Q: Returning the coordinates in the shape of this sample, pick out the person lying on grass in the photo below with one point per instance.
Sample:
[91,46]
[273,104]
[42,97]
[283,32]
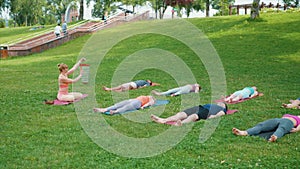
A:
[64,81]
[294,104]
[194,114]
[279,126]
[131,85]
[247,92]
[128,105]
[189,88]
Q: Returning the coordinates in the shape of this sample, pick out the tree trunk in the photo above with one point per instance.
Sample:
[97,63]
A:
[156,10]
[81,10]
[207,8]
[255,9]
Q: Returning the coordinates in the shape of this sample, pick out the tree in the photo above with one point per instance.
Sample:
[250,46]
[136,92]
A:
[255,9]
[102,6]
[160,6]
[3,5]
[134,3]
[26,12]
[222,6]
[207,8]
[81,10]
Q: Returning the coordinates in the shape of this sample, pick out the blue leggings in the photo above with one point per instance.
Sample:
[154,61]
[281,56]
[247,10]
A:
[177,91]
[126,105]
[280,126]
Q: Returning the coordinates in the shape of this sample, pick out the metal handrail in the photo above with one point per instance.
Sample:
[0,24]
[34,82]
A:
[76,27]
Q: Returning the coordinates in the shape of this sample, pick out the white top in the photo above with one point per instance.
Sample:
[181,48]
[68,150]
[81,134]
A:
[57,29]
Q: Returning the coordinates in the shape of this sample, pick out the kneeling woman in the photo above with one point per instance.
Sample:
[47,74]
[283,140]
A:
[64,81]
[279,126]
[193,114]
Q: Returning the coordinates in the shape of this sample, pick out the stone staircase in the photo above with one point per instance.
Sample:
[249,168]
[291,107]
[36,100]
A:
[49,40]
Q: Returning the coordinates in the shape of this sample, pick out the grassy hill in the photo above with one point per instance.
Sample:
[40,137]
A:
[264,53]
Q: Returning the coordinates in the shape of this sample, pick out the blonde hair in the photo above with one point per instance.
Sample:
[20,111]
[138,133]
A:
[62,66]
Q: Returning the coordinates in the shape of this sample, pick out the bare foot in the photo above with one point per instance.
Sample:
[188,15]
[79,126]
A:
[105,88]
[223,98]
[155,92]
[99,110]
[49,102]
[157,119]
[287,106]
[273,138]
[239,132]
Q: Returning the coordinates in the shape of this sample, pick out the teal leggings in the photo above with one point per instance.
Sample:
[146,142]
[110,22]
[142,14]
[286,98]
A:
[280,126]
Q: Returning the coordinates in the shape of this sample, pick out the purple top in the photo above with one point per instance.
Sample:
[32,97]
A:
[294,117]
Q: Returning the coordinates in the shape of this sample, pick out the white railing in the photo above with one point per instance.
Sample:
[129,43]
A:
[37,34]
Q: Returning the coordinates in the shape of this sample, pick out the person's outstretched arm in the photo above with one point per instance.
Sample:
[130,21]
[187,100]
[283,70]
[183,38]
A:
[68,80]
[76,66]
[146,105]
[220,113]
[295,129]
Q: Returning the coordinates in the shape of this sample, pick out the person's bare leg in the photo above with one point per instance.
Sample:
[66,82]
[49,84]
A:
[176,117]
[291,101]
[294,104]
[113,112]
[101,110]
[178,123]
[155,92]
[189,119]
[158,119]
[106,88]
[236,98]
[239,132]
[117,89]
[273,138]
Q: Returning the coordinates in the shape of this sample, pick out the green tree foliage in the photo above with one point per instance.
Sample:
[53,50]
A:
[160,6]
[291,2]
[32,12]
[222,6]
[2,5]
[134,3]
[102,6]
[26,12]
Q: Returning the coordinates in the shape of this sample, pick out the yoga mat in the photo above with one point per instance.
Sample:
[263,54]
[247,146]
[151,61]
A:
[157,103]
[239,101]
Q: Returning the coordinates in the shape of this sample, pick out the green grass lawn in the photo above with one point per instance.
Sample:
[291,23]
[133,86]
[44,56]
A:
[264,53]
[10,35]
[14,34]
